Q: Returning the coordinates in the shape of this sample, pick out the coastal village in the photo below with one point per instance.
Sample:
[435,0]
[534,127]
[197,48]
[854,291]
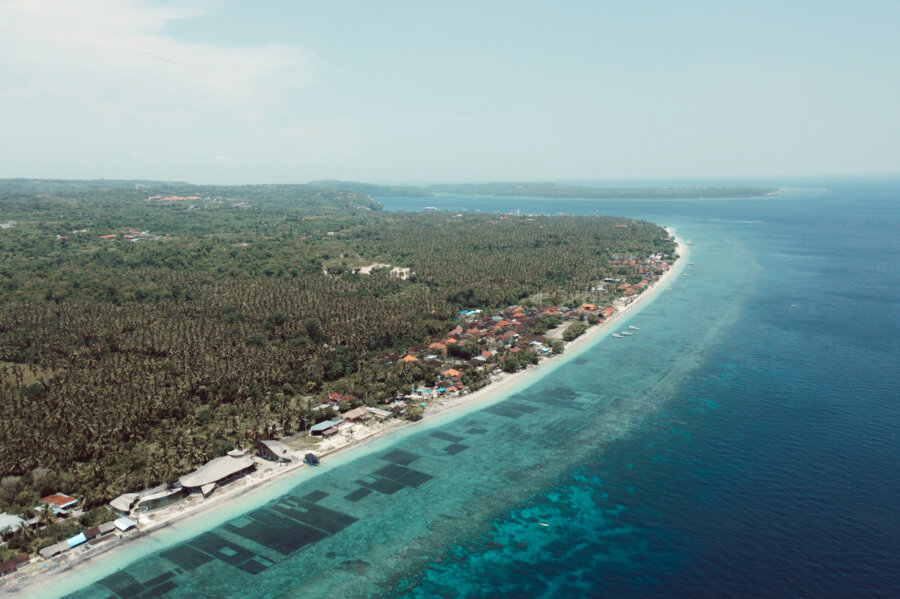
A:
[482,348]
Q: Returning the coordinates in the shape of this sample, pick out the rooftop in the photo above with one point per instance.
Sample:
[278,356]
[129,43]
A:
[324,426]
[217,469]
[278,448]
[11,522]
[60,500]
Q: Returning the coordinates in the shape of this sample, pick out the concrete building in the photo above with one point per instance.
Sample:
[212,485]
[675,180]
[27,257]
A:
[217,472]
[275,451]
[326,428]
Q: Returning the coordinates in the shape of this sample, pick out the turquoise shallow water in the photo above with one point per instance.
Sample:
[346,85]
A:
[714,453]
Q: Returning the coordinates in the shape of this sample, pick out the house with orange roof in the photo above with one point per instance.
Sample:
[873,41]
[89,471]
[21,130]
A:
[452,372]
[409,358]
[110,236]
[60,502]
[587,307]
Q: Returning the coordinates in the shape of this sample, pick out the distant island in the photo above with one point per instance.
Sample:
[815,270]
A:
[552,190]
[277,197]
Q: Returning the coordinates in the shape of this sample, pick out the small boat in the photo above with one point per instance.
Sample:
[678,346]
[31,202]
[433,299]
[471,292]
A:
[617,336]
[793,305]
[689,242]
[543,524]
[626,333]
[690,263]
[634,328]
[311,459]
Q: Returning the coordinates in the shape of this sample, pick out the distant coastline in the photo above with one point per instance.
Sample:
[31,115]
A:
[553,190]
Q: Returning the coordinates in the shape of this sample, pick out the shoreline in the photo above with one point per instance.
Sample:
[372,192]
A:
[36,578]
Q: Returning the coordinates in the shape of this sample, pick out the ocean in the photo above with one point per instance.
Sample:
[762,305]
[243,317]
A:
[742,443]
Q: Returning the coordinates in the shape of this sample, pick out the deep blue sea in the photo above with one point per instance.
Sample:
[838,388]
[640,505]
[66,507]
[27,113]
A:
[745,442]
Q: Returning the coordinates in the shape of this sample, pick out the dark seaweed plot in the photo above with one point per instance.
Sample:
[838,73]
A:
[398,456]
[455,448]
[126,586]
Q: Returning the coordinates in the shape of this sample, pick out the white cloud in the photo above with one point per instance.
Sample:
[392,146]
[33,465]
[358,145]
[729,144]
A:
[93,80]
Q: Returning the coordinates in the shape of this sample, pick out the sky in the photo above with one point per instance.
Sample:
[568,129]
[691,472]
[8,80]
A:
[290,91]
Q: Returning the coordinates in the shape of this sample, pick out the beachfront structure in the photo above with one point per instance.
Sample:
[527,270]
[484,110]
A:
[124,524]
[274,450]
[217,472]
[379,414]
[355,414]
[55,549]
[124,503]
[11,565]
[326,428]
[148,500]
[96,532]
[90,535]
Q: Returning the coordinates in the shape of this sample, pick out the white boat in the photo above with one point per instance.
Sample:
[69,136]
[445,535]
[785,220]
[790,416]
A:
[690,263]
[626,333]
[617,336]
[634,328]
[689,242]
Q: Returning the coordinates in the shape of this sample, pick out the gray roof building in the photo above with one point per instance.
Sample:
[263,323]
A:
[326,427]
[48,552]
[217,471]
[10,523]
[275,450]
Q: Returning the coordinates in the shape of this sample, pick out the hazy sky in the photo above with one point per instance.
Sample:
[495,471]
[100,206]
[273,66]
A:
[386,91]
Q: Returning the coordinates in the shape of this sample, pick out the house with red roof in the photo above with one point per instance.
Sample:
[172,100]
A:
[60,502]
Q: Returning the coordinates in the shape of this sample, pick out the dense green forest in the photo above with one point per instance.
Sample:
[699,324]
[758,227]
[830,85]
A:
[120,195]
[552,190]
[141,337]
